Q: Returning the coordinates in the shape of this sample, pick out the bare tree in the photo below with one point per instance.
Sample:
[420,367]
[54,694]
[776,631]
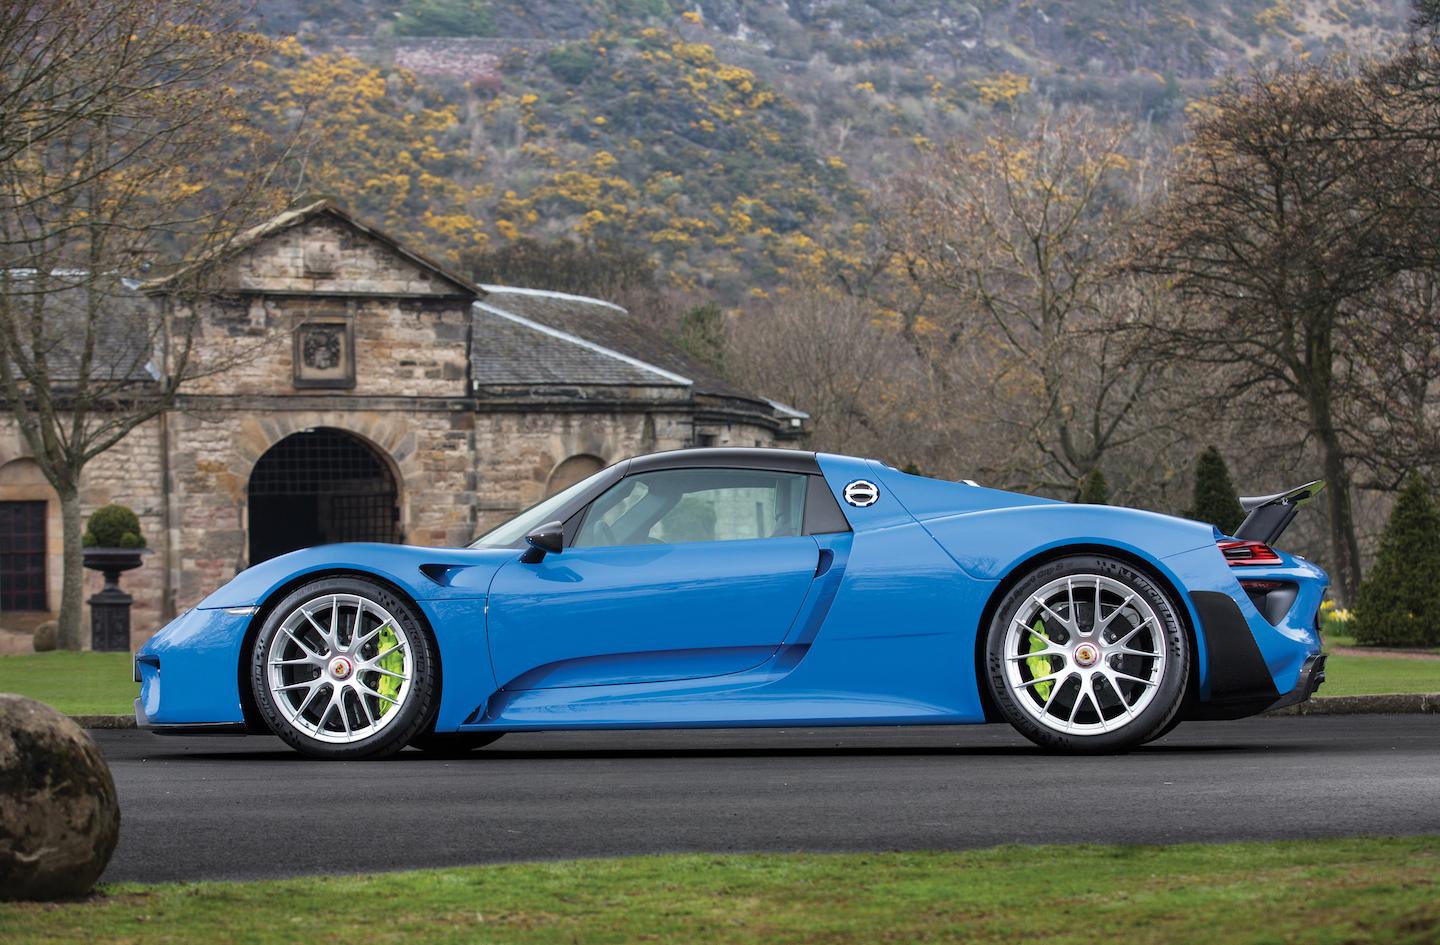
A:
[840,359]
[1391,418]
[1286,218]
[112,117]
[1013,246]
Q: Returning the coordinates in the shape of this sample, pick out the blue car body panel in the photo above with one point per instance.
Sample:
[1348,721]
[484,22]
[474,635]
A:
[877,625]
[646,613]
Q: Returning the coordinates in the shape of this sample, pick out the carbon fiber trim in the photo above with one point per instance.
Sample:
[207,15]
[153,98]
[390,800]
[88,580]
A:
[1240,683]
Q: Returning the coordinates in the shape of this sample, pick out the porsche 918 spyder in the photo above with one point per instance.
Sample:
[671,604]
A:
[751,587]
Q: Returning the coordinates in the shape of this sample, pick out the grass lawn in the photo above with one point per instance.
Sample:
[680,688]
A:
[74,683]
[1333,640]
[1352,891]
[1347,675]
[99,683]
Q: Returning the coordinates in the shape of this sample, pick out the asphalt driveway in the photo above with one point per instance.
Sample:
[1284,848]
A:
[240,808]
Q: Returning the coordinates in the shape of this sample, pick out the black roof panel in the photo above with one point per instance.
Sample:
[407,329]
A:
[776,460]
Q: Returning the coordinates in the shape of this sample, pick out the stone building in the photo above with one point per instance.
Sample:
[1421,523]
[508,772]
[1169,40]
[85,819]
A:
[361,392]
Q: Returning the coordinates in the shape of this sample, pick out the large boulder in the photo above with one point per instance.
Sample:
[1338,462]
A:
[59,817]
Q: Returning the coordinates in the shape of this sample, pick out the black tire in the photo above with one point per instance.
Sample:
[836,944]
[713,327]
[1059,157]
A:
[452,744]
[417,708]
[1159,712]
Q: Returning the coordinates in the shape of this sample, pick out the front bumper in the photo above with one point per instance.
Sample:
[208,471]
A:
[188,672]
[143,721]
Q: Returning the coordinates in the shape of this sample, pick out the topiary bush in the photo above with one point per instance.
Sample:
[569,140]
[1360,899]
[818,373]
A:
[1215,499]
[1399,601]
[113,526]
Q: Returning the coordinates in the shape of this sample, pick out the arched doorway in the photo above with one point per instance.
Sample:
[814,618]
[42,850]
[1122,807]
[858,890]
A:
[318,487]
[572,470]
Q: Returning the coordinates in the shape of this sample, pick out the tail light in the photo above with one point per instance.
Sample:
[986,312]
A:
[1239,552]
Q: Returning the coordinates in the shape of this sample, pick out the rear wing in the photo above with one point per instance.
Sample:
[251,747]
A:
[1267,516]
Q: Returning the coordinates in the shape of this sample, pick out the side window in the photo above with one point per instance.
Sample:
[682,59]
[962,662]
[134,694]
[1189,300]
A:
[684,505]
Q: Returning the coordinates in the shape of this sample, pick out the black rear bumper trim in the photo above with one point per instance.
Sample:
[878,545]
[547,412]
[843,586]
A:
[1240,682]
[1312,675]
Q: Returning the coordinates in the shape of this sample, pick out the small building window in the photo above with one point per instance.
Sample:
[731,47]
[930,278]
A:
[22,556]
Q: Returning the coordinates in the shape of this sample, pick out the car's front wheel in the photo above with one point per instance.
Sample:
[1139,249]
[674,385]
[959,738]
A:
[343,668]
[1087,654]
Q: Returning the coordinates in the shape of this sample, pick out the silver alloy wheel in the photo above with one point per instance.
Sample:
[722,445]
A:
[1085,654]
[339,668]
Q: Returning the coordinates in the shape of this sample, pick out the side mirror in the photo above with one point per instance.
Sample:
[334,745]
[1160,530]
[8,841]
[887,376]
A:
[545,539]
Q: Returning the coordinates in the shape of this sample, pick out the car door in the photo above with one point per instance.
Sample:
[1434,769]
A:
[672,574]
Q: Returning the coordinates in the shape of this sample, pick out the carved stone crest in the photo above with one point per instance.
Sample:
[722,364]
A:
[322,346]
[324,354]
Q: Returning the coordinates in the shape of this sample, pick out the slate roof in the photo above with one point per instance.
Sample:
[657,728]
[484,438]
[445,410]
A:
[530,336]
[124,324]
[511,346]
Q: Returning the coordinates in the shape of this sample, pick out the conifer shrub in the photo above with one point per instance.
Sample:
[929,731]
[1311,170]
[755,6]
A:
[1215,500]
[1399,601]
[1094,490]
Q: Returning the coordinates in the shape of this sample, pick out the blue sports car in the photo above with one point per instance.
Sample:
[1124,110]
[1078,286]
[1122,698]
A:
[749,587]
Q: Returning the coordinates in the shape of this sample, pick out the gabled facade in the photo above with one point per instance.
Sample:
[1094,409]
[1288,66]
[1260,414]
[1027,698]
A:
[355,390]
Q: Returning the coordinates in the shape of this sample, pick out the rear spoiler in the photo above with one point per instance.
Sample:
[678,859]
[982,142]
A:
[1269,515]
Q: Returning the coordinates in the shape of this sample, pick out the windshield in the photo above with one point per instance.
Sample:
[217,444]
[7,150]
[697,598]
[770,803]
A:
[521,525]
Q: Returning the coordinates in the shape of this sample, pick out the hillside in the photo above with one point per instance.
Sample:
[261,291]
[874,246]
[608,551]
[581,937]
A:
[729,139]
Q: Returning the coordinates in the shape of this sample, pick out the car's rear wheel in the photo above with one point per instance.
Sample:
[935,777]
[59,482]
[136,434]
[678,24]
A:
[343,668]
[1087,654]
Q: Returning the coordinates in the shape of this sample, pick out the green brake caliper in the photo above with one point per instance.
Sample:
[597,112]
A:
[394,662]
[1039,665]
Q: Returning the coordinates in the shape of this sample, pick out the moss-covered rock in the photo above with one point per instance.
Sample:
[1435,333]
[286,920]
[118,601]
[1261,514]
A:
[59,816]
[44,638]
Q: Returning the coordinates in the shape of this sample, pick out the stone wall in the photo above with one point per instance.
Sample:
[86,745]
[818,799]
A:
[129,474]
[410,333]
[429,452]
[326,255]
[402,347]
[516,452]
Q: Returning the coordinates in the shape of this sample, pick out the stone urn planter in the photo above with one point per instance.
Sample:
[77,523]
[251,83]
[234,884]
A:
[113,544]
[110,606]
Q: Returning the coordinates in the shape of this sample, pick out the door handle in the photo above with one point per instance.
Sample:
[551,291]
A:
[827,557]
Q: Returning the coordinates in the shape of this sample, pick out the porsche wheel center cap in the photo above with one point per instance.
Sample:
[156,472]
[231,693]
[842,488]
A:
[340,667]
[1087,654]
